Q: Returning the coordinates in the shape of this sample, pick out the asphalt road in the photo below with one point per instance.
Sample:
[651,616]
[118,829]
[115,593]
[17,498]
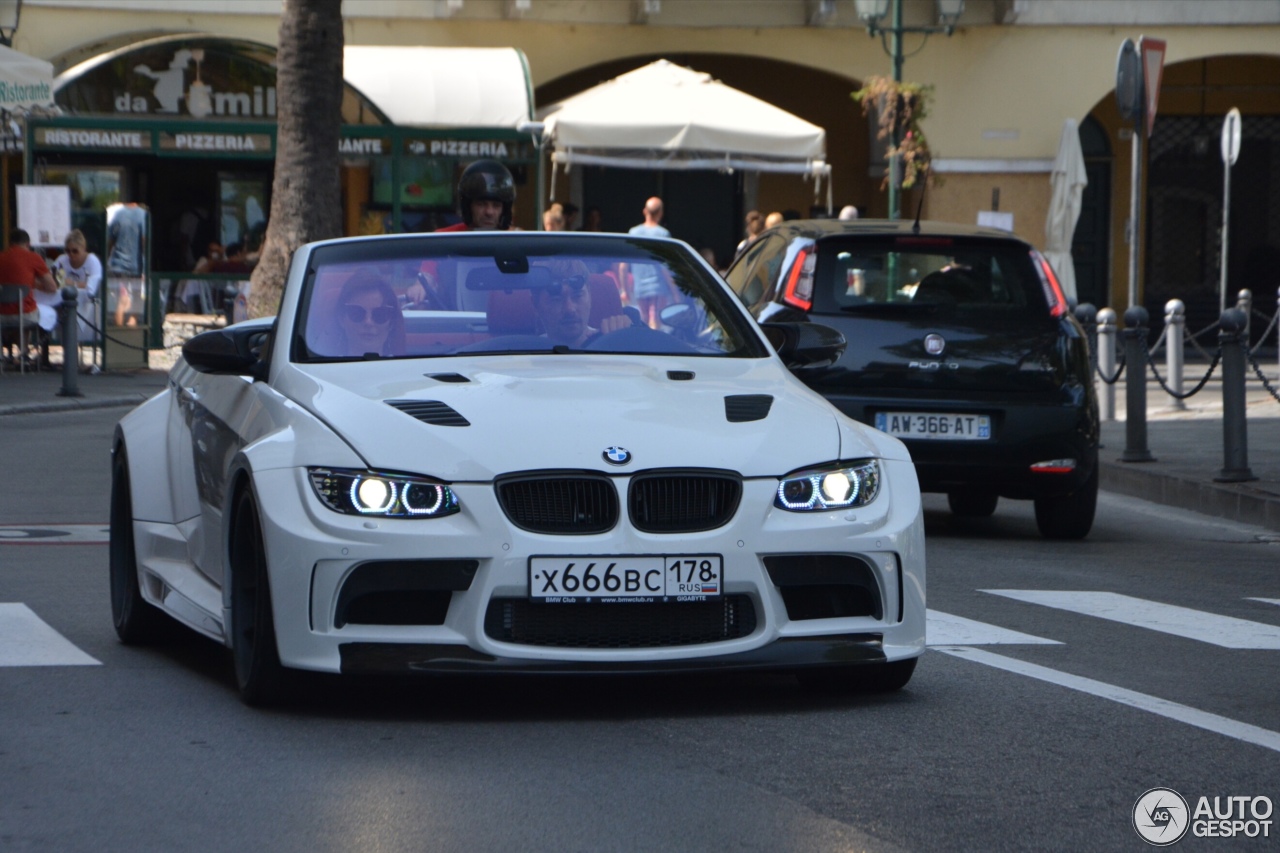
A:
[993,746]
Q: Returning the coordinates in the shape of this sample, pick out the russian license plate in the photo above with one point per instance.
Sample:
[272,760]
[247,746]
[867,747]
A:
[569,580]
[934,425]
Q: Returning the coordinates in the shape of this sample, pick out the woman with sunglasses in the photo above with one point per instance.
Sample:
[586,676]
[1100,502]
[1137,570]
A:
[369,318]
[80,268]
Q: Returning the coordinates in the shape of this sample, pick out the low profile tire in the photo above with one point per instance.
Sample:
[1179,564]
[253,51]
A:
[259,675]
[1069,516]
[867,678]
[972,504]
[137,622]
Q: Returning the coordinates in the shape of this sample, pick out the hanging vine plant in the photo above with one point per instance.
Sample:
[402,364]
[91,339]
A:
[900,107]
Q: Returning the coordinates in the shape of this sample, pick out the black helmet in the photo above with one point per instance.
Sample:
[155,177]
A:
[487,180]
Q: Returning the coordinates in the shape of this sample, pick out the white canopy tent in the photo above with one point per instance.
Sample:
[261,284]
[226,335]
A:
[1068,182]
[465,87]
[25,82]
[666,116]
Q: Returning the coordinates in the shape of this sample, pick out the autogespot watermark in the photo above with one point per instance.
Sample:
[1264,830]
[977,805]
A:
[1162,816]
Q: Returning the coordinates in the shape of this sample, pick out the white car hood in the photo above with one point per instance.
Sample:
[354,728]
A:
[562,412]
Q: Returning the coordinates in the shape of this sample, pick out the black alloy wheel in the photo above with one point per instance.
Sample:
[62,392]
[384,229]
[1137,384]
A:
[260,677]
[1069,516]
[137,622]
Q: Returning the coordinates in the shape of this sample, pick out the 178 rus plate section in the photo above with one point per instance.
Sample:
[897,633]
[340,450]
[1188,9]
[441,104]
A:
[567,580]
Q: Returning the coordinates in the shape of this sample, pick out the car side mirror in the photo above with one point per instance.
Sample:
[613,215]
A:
[805,346]
[233,351]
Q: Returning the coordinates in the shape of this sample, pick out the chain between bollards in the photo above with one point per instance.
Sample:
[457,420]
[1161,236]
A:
[1135,387]
[1235,437]
[70,321]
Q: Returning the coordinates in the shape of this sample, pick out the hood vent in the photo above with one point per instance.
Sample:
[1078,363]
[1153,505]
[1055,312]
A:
[430,412]
[747,407]
[447,377]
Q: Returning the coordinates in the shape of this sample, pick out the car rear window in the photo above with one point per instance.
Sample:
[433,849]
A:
[943,273]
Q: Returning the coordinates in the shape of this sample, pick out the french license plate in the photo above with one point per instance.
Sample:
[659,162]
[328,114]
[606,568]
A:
[569,580]
[935,425]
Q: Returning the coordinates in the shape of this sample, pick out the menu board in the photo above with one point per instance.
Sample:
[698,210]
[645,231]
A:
[45,213]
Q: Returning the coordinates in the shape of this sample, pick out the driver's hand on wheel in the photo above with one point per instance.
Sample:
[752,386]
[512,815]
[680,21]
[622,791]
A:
[615,323]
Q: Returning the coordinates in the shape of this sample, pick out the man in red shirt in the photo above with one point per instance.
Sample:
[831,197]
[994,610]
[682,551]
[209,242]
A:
[20,265]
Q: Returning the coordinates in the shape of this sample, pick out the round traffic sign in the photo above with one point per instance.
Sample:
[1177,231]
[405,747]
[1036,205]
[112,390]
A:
[1129,89]
[1231,137]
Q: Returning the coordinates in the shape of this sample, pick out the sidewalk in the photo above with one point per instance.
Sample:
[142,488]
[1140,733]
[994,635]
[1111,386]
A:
[1187,445]
[1188,450]
[31,393]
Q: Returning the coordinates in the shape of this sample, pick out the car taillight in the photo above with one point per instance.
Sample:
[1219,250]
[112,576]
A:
[799,289]
[1052,289]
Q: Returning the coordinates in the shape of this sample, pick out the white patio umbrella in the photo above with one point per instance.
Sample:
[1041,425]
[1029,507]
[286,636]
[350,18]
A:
[1068,182]
[25,81]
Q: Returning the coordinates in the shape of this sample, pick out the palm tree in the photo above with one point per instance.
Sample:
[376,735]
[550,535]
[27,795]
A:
[305,194]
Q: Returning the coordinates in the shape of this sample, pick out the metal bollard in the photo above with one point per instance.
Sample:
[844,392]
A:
[1106,336]
[232,290]
[1087,315]
[1244,301]
[1175,321]
[1135,386]
[70,343]
[1235,434]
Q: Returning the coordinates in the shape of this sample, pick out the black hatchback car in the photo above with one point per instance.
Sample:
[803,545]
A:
[960,343]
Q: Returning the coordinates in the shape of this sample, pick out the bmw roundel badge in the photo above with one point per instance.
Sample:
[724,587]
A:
[617,455]
[934,344]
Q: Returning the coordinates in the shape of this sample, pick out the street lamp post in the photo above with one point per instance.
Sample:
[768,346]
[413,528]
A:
[872,12]
[10,12]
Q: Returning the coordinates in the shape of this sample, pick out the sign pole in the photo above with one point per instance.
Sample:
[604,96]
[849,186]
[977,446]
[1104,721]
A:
[1230,151]
[1135,179]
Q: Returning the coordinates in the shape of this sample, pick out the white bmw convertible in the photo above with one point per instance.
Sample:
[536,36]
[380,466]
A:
[515,452]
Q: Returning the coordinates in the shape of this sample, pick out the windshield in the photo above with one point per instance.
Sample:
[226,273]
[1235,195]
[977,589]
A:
[444,296]
[926,274]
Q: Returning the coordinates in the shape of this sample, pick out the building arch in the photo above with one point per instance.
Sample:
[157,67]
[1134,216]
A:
[1183,176]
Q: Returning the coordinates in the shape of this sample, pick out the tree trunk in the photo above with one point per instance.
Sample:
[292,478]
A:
[306,202]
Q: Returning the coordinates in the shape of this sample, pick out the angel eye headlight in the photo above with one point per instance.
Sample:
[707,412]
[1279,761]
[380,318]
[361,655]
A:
[852,485]
[383,495]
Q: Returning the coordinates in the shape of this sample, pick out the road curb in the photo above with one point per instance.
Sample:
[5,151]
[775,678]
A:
[1233,501]
[71,404]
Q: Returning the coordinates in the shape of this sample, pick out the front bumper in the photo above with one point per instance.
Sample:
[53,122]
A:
[312,552]
[785,653]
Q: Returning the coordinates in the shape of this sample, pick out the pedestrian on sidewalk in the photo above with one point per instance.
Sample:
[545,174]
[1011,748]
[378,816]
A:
[649,288]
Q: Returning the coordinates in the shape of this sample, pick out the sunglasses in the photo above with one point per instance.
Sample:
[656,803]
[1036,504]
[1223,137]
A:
[382,315]
[575,284]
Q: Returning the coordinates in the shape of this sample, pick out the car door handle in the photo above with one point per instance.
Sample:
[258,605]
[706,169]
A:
[188,395]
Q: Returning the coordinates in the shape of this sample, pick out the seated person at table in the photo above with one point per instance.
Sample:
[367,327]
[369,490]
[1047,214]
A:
[564,308]
[369,318]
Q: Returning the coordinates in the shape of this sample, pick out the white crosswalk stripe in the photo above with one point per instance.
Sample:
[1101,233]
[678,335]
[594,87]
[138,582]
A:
[944,629]
[27,640]
[1142,701]
[54,534]
[1227,632]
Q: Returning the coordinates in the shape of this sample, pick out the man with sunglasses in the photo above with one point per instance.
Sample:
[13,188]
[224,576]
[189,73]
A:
[564,309]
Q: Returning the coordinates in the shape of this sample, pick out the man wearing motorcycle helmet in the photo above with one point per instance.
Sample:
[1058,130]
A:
[486,194]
